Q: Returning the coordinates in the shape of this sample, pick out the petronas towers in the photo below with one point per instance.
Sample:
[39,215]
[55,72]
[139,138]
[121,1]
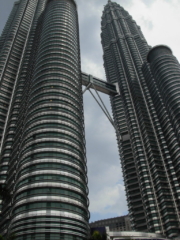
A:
[146,113]
[43,162]
[43,173]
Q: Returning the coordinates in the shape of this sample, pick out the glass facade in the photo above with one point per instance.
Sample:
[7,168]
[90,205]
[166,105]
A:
[43,157]
[147,122]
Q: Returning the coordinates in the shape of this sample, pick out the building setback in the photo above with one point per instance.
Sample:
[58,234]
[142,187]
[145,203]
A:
[43,159]
[146,114]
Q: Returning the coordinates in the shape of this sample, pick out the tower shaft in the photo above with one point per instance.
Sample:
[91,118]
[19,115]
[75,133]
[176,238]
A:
[43,146]
[149,182]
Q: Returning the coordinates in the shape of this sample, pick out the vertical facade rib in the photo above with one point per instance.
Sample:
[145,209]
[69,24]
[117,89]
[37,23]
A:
[166,73]
[43,141]
[151,185]
[12,45]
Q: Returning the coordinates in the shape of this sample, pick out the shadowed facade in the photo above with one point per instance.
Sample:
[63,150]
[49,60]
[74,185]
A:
[43,158]
[149,161]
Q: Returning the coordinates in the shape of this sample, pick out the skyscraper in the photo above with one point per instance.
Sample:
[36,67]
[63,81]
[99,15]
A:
[43,159]
[146,113]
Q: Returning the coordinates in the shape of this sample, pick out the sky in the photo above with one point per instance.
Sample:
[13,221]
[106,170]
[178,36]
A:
[159,21]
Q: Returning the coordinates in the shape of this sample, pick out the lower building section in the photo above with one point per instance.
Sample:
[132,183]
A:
[115,224]
[113,235]
[54,225]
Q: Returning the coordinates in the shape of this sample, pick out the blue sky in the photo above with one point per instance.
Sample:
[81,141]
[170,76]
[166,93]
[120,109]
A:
[159,21]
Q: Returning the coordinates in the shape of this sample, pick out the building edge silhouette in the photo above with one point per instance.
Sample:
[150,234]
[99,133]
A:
[146,119]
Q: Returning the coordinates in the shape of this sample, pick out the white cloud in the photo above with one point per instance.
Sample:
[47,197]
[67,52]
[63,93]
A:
[159,22]
[109,200]
[108,193]
[92,68]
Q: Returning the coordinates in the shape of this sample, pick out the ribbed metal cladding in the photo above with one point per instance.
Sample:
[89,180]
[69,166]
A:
[12,44]
[162,73]
[166,71]
[16,111]
[8,27]
[47,173]
[151,184]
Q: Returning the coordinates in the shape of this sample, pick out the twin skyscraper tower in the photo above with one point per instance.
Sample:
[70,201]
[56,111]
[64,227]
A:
[43,173]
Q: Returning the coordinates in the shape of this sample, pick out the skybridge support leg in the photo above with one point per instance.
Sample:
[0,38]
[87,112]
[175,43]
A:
[105,111]
[99,85]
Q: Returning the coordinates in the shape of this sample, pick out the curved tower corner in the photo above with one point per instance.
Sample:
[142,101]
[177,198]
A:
[47,174]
